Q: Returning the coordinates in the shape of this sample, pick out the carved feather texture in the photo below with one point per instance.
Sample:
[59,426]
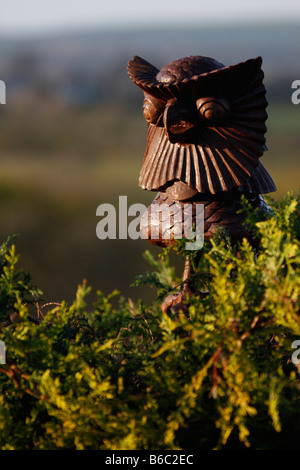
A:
[219,162]
[162,227]
[260,182]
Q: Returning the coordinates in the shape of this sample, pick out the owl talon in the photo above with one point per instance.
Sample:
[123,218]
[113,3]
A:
[175,302]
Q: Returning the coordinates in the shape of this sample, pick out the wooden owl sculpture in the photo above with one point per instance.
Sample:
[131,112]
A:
[206,134]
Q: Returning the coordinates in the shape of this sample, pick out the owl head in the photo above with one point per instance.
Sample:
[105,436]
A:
[206,122]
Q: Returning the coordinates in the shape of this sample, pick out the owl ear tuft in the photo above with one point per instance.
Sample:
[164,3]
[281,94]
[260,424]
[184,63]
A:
[141,72]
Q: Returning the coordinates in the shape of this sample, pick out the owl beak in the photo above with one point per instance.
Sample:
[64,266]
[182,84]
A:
[178,123]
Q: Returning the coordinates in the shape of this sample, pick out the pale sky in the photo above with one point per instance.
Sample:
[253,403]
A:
[35,16]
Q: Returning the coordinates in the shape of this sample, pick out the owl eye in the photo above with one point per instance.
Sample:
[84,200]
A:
[152,110]
[212,110]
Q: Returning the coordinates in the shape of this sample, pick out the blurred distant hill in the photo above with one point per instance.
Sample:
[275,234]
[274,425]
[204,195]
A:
[90,66]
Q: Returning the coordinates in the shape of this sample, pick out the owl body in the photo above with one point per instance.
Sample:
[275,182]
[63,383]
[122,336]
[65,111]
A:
[206,127]
[161,226]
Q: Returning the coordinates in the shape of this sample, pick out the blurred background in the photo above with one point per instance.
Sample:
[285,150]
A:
[72,134]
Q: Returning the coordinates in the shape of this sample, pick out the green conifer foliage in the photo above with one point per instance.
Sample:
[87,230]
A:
[119,375]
